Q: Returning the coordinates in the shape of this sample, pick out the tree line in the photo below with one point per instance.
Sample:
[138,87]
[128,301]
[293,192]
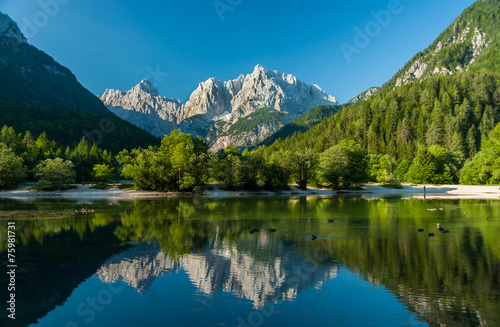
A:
[183,163]
[26,158]
[440,130]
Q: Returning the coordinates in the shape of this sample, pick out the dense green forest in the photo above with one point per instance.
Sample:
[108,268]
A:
[183,163]
[311,118]
[24,157]
[67,127]
[455,112]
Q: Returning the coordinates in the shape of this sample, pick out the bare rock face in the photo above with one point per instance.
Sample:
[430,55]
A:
[9,29]
[211,99]
[145,108]
[283,92]
[364,95]
[424,67]
[215,106]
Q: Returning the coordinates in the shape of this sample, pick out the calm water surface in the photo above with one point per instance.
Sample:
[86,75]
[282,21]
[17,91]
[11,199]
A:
[194,262]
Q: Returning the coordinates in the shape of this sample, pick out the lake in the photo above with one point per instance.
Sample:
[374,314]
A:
[195,262]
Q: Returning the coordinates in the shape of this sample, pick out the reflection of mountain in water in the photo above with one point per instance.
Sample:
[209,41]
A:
[253,273]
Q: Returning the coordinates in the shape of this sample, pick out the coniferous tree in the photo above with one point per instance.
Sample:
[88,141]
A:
[423,168]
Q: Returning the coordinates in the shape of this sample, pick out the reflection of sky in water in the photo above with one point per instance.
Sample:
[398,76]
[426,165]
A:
[143,287]
[377,270]
[173,300]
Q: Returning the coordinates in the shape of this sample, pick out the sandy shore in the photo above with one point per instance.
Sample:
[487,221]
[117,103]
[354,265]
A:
[86,193]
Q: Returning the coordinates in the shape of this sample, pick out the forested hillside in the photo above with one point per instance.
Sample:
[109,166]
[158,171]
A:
[303,123]
[455,112]
[67,126]
[470,43]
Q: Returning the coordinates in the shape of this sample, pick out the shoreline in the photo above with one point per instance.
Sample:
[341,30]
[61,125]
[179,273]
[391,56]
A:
[370,191]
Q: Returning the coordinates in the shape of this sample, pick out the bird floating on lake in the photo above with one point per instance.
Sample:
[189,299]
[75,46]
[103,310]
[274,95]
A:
[488,219]
[272,230]
[331,220]
[254,230]
[431,234]
[314,237]
[420,230]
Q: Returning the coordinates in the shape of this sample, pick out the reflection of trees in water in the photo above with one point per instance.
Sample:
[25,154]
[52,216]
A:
[40,220]
[450,279]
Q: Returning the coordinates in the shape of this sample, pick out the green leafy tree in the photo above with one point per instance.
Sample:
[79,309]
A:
[227,169]
[103,172]
[484,167]
[448,165]
[43,148]
[180,164]
[144,167]
[95,155]
[382,170]
[303,164]
[12,170]
[55,172]
[250,169]
[275,172]
[344,164]
[402,170]
[8,136]
[275,177]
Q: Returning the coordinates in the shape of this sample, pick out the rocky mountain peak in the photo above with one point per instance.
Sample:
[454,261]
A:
[146,86]
[9,29]
[215,106]
[145,108]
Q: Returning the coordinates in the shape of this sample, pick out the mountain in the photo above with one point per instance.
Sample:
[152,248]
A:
[471,42]
[30,76]
[39,95]
[243,111]
[220,267]
[364,95]
[145,108]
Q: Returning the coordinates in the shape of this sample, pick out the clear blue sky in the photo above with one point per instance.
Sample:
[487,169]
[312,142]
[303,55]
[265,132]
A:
[115,44]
